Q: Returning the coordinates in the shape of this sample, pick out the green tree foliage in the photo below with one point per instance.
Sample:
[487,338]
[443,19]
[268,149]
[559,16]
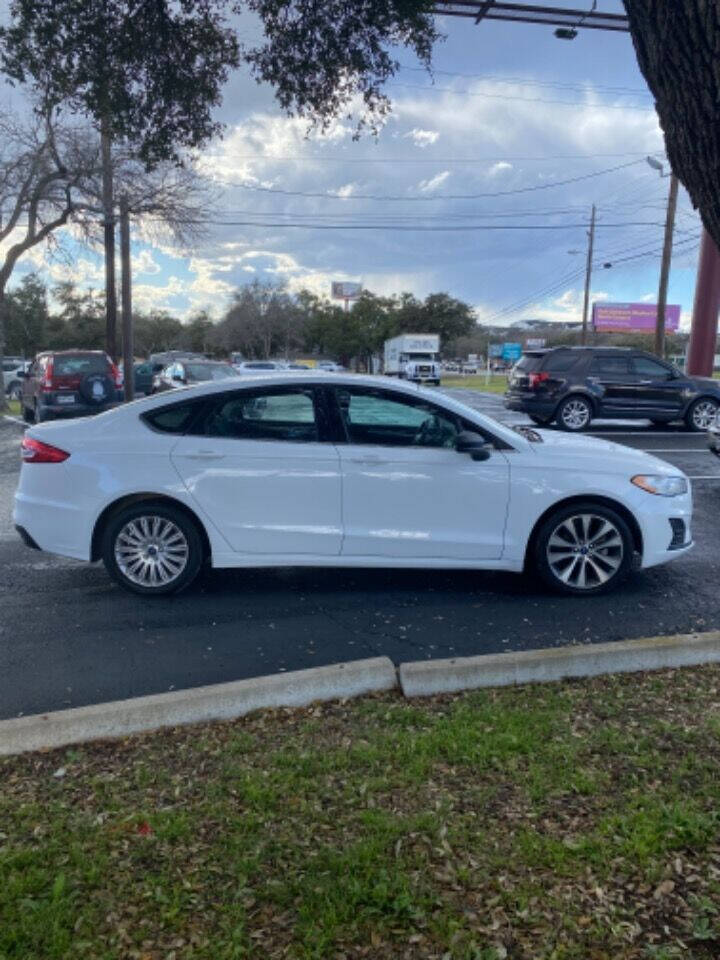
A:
[27,317]
[153,69]
[321,54]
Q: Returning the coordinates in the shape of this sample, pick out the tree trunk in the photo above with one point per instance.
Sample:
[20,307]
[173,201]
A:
[3,327]
[109,235]
[678,48]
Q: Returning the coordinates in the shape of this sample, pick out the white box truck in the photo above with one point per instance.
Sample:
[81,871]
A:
[413,356]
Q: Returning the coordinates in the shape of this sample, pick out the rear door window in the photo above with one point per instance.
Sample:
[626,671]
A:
[175,418]
[560,362]
[615,368]
[287,414]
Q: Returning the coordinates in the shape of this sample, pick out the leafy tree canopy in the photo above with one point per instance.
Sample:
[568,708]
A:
[152,69]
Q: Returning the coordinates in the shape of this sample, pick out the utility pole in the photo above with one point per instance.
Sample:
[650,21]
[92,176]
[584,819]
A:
[665,267]
[126,282]
[588,275]
[703,332]
[109,238]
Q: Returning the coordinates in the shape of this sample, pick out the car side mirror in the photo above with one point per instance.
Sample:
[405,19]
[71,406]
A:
[470,442]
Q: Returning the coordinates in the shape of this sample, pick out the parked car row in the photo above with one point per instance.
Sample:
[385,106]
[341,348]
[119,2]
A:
[72,383]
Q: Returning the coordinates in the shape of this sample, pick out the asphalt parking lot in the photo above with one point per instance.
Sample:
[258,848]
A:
[69,636]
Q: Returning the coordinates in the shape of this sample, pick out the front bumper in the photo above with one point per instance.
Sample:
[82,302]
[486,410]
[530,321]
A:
[666,527]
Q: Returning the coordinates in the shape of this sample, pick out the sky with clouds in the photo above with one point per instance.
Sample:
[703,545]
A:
[480,184]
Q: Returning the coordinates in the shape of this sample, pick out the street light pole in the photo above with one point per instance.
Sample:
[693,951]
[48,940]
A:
[588,275]
[665,267]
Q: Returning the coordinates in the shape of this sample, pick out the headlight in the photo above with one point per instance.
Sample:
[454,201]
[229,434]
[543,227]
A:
[661,486]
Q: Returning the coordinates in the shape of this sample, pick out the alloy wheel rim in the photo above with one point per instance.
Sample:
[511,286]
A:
[151,551]
[575,414]
[704,414]
[585,551]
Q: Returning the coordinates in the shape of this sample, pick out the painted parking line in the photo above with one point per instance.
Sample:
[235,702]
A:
[709,476]
[14,420]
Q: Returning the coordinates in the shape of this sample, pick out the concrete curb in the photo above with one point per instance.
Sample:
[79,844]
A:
[222,701]
[427,677]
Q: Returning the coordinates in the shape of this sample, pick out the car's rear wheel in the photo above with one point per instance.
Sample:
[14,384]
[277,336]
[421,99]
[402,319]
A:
[574,414]
[152,549]
[701,415]
[584,549]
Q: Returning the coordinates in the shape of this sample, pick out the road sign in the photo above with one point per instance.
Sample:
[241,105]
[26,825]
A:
[345,290]
[495,350]
[511,352]
[535,343]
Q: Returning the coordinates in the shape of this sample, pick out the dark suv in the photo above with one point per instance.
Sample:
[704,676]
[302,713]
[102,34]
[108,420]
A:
[70,383]
[572,385]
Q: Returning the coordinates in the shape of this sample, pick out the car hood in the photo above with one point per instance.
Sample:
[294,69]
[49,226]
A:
[572,451]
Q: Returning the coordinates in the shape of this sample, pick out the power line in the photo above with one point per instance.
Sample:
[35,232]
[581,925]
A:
[447,196]
[490,78]
[416,228]
[269,159]
[503,96]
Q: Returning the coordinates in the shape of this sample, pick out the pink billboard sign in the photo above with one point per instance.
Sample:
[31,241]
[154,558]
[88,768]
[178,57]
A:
[633,317]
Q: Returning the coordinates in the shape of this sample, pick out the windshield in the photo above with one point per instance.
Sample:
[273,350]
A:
[209,371]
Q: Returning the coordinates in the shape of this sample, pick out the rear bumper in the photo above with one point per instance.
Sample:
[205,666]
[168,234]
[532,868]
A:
[76,409]
[528,402]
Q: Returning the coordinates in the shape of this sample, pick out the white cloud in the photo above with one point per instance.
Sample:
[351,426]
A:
[346,190]
[427,186]
[422,138]
[144,263]
[501,167]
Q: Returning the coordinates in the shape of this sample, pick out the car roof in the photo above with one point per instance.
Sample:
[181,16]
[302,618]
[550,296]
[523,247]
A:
[80,350]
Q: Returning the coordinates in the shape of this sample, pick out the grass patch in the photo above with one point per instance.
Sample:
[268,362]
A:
[493,384]
[13,408]
[551,822]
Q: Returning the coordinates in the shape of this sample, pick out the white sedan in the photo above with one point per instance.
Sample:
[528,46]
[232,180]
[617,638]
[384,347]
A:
[347,472]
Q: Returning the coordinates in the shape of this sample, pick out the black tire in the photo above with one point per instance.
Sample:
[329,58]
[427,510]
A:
[179,521]
[540,421]
[573,404]
[28,415]
[41,416]
[614,562]
[701,414]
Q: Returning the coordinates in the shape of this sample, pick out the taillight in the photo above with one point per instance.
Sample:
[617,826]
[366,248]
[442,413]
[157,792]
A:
[535,379]
[116,375]
[34,451]
[47,383]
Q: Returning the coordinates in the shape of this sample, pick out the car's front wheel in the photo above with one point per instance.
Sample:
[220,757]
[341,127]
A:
[152,548]
[701,415]
[584,549]
[574,414]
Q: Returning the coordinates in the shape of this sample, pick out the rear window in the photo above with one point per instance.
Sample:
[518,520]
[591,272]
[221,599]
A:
[172,419]
[529,362]
[70,364]
[208,371]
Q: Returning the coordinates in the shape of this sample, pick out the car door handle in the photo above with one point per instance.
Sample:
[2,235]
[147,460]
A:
[205,455]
